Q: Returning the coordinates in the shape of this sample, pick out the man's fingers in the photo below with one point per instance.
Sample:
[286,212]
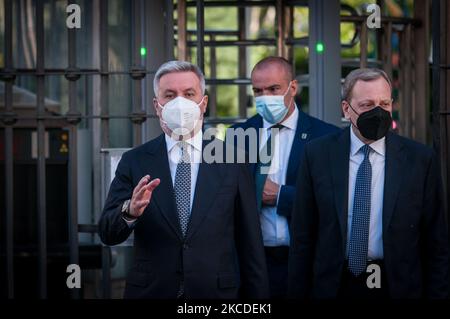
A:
[146,192]
[144,180]
[141,197]
[139,207]
[142,203]
[147,188]
[153,184]
[140,192]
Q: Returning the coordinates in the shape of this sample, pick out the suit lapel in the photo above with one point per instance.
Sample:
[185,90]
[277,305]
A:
[157,166]
[301,137]
[339,158]
[393,176]
[208,183]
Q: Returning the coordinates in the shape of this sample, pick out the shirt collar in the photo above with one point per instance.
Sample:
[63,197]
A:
[195,141]
[378,146]
[290,122]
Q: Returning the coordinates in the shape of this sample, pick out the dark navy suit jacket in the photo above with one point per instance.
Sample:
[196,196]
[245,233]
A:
[222,253]
[415,241]
[308,128]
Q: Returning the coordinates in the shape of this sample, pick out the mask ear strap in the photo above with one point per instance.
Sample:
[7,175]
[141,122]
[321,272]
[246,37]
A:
[289,86]
[353,124]
[352,107]
[287,93]
[201,101]
[350,119]
[159,104]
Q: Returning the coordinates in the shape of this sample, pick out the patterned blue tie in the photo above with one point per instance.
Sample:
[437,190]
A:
[359,236]
[182,187]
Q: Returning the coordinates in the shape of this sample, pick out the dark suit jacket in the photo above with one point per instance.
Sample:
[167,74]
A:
[415,241]
[222,249]
[308,128]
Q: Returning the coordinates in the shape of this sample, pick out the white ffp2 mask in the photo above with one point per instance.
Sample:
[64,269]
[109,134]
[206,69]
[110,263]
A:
[181,115]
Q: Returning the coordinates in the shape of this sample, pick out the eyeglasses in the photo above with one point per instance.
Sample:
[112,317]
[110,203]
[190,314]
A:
[371,104]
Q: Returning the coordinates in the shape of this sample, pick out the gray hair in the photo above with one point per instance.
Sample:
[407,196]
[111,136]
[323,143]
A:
[365,75]
[177,66]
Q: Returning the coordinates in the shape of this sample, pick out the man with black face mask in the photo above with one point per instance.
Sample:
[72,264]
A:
[368,221]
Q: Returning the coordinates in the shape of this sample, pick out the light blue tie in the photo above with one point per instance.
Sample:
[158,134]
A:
[359,236]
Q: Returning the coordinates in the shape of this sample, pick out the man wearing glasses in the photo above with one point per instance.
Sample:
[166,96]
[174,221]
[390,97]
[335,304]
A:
[368,221]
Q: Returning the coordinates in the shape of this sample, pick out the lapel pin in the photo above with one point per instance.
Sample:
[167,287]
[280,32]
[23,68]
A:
[304,136]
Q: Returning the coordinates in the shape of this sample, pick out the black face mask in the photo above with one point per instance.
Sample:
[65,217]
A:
[373,124]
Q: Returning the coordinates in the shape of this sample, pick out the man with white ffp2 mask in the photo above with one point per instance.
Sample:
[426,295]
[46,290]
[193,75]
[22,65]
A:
[196,225]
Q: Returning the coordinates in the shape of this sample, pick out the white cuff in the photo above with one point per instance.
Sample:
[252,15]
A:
[130,223]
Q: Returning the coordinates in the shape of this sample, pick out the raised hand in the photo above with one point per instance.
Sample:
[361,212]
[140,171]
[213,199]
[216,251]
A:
[142,194]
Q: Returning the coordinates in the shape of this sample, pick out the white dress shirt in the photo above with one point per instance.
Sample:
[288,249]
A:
[174,156]
[377,159]
[275,228]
